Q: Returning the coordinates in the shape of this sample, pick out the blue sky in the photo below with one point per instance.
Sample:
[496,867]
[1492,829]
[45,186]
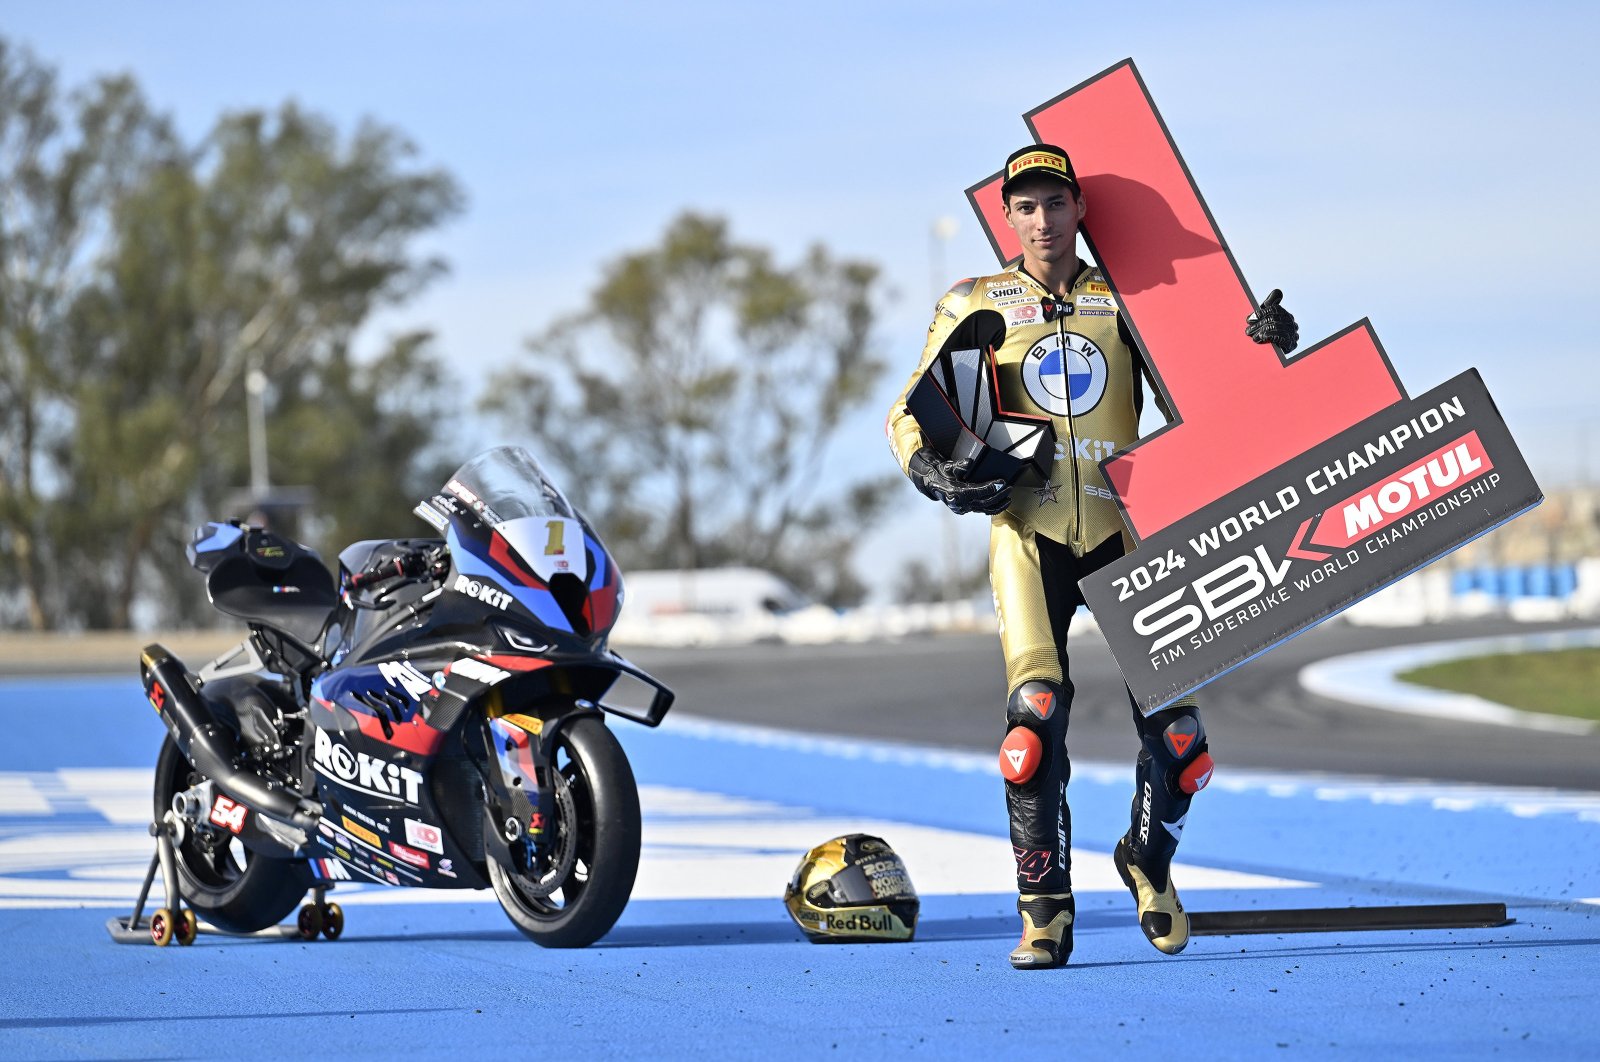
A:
[1427,166]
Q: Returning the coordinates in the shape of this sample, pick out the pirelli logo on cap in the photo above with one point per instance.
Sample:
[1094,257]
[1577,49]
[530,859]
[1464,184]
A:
[1037,160]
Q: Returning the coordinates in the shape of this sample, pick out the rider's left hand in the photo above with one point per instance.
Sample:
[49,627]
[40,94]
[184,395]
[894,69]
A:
[1271,323]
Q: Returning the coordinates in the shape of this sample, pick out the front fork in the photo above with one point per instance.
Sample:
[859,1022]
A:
[520,806]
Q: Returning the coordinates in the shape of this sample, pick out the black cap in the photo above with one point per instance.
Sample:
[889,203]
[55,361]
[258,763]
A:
[1036,160]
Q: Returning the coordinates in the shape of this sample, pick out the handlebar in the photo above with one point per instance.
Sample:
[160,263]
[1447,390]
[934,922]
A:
[413,565]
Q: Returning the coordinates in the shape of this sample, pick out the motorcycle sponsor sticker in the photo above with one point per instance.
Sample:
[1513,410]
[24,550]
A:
[389,874]
[432,516]
[486,592]
[1065,375]
[358,830]
[405,675]
[478,671]
[425,836]
[359,816]
[447,867]
[228,814]
[366,773]
[410,855]
[329,870]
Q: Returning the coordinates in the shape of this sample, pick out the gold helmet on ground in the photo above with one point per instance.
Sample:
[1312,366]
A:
[852,889]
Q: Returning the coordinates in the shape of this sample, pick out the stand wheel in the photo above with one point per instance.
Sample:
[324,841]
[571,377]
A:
[186,928]
[310,921]
[161,927]
[332,921]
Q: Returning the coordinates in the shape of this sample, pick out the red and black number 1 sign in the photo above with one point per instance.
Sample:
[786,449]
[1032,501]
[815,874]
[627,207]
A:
[1284,489]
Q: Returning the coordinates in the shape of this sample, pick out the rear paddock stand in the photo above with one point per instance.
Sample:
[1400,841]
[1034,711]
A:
[174,922]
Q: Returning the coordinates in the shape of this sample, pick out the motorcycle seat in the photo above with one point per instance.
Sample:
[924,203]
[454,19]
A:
[275,581]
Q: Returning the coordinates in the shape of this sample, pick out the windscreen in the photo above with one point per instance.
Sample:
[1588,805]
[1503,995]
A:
[505,484]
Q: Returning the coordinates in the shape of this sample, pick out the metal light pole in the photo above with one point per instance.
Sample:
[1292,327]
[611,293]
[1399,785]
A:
[255,386]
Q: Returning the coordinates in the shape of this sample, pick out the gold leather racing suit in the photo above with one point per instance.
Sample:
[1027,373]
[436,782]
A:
[1083,370]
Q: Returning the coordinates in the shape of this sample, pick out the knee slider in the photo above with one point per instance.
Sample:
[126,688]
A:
[1037,712]
[1194,777]
[1020,755]
[1180,749]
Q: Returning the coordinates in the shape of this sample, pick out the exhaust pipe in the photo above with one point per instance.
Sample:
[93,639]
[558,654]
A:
[210,746]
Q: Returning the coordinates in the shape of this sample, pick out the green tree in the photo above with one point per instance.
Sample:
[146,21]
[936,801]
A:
[266,252]
[63,162]
[159,284]
[691,401]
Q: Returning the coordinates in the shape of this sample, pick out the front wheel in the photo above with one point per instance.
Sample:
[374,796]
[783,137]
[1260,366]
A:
[573,897]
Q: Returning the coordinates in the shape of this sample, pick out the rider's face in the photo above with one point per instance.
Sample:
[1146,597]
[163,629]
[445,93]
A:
[1045,215]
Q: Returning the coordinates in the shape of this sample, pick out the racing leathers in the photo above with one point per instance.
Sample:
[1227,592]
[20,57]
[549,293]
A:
[1070,358]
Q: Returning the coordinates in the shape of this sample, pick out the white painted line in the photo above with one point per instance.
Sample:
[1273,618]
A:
[1524,801]
[697,845]
[1368,679]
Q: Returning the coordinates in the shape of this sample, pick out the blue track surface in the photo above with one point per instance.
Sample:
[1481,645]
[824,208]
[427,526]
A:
[730,977]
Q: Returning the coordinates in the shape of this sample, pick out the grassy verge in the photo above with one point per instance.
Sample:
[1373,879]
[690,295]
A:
[1564,682]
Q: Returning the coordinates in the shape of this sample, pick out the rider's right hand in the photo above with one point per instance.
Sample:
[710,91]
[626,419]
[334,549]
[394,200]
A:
[944,480]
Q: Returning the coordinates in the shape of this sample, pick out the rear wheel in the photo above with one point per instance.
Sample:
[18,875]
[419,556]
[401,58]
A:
[228,885]
[575,894]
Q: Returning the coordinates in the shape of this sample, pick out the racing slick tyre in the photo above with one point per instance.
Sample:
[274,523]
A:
[229,886]
[576,892]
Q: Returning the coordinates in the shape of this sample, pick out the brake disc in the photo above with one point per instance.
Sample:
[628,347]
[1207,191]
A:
[553,870]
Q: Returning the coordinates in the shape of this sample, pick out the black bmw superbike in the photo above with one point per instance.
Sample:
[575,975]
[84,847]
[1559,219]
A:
[435,717]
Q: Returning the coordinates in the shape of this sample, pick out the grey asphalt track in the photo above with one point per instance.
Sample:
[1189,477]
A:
[947,691]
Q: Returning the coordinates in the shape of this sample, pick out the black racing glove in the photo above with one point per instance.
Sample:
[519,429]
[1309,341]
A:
[946,481]
[1271,323]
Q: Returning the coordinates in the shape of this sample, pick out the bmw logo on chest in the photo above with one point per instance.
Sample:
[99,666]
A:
[1065,375]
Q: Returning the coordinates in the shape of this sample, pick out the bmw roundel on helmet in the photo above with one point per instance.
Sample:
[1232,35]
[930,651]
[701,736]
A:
[852,889]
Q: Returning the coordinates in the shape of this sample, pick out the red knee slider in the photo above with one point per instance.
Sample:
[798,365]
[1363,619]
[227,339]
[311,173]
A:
[1020,753]
[1197,774]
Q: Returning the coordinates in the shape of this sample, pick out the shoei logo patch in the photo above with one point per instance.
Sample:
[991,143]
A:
[1065,380]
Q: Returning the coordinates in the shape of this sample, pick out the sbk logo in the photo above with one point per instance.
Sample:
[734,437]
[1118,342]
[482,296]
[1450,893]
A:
[228,814]
[1219,592]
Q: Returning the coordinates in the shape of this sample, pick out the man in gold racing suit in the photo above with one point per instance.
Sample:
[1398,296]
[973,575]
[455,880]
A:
[1061,349]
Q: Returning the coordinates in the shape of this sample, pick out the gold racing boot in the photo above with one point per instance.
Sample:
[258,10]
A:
[1046,930]
[1161,913]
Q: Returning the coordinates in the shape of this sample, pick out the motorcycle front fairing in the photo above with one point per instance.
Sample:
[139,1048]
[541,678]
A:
[517,631]
[518,547]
